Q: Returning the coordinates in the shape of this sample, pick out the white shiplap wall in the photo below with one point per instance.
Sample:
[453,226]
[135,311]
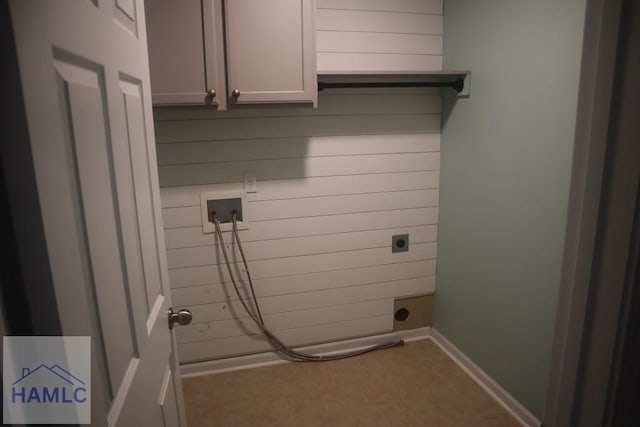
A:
[334,184]
[379,35]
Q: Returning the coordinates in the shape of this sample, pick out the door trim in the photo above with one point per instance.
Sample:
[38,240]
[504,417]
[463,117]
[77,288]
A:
[582,303]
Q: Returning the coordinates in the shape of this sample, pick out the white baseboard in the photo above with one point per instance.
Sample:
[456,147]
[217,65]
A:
[271,358]
[506,400]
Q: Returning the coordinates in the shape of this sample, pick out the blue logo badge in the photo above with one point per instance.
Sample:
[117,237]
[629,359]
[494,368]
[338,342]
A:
[64,387]
[47,380]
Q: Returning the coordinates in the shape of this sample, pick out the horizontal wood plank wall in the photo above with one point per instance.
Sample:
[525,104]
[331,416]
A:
[334,184]
[379,35]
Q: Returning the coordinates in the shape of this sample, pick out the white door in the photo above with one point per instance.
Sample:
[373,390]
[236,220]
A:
[85,80]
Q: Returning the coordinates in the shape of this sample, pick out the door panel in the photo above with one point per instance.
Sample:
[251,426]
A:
[85,80]
[140,168]
[125,14]
[129,221]
[82,91]
[167,399]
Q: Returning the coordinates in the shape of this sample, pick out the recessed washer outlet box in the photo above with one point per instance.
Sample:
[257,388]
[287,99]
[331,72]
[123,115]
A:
[224,205]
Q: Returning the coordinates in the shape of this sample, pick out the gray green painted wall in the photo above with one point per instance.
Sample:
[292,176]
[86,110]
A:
[506,160]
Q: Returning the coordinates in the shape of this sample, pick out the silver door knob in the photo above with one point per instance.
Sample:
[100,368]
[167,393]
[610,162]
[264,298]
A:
[182,317]
[235,93]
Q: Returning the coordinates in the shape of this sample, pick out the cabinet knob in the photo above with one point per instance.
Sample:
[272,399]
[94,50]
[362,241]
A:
[235,93]
[208,99]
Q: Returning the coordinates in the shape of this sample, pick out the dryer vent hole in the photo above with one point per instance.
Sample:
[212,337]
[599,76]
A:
[401,315]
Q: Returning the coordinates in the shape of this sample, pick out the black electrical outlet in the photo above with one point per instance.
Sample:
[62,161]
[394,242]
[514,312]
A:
[400,243]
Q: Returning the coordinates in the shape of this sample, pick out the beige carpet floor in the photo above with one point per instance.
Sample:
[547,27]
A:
[414,385]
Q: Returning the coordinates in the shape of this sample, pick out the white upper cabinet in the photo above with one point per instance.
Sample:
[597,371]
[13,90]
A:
[270,51]
[186,52]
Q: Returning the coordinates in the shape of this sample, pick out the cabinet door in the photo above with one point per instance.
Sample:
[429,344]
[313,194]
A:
[214,52]
[183,62]
[270,51]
